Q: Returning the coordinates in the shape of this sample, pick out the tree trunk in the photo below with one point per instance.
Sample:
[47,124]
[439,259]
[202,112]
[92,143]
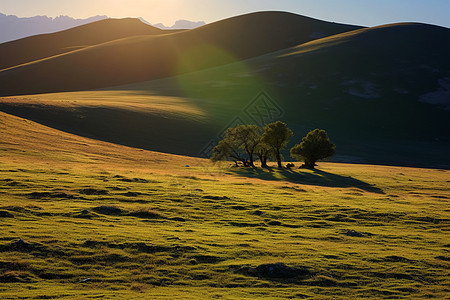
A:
[251,160]
[262,159]
[278,157]
[264,162]
[246,163]
[310,164]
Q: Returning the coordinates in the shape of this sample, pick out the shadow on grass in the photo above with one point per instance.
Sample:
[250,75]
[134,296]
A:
[309,177]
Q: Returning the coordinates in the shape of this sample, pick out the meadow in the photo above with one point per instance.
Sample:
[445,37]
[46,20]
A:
[85,219]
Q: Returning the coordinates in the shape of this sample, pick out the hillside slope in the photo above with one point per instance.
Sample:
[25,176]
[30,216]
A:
[28,142]
[83,219]
[46,45]
[150,57]
[368,88]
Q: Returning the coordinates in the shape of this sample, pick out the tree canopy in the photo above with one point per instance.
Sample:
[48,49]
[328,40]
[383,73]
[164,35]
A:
[276,136]
[239,144]
[314,146]
[248,136]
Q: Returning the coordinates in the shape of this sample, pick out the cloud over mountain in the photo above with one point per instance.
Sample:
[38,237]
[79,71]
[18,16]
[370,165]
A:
[181,24]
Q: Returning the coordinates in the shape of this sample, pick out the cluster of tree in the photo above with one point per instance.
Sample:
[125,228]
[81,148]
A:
[243,143]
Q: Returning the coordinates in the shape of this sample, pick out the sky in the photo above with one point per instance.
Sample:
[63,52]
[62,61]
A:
[357,12]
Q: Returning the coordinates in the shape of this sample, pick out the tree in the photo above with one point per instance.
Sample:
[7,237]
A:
[315,146]
[228,149]
[248,137]
[263,151]
[276,136]
[239,144]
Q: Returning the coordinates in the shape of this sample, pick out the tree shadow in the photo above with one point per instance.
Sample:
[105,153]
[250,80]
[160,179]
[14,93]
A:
[308,177]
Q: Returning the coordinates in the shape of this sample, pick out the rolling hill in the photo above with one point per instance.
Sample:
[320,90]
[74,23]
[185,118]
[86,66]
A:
[379,92]
[46,45]
[148,57]
[28,142]
[84,219]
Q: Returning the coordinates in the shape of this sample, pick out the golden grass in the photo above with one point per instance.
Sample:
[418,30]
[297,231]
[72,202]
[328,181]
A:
[24,141]
[142,225]
[137,101]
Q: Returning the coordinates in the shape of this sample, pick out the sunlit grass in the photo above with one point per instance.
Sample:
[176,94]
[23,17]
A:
[138,101]
[176,233]
[107,221]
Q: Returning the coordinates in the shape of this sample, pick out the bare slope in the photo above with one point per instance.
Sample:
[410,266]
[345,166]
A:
[149,57]
[45,45]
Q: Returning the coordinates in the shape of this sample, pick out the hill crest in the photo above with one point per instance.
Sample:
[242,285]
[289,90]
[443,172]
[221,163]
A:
[46,45]
[157,56]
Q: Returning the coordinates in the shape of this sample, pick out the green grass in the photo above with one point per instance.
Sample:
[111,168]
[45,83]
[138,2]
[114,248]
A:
[186,237]
[142,224]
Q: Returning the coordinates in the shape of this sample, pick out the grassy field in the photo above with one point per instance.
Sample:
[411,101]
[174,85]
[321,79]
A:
[83,219]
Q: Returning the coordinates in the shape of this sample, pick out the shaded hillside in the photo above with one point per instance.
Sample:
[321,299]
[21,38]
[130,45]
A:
[168,124]
[148,57]
[367,88]
[32,143]
[45,45]
[381,93]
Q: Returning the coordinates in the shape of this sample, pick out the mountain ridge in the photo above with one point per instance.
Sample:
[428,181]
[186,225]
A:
[152,57]
[46,45]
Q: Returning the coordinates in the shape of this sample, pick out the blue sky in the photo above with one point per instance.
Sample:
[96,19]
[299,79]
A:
[359,12]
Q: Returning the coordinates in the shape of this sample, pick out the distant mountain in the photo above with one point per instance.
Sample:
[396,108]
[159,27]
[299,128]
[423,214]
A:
[181,24]
[13,27]
[140,58]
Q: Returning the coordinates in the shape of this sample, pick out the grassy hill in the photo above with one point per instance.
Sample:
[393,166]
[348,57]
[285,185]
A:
[87,219]
[369,88]
[41,46]
[88,211]
[148,57]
